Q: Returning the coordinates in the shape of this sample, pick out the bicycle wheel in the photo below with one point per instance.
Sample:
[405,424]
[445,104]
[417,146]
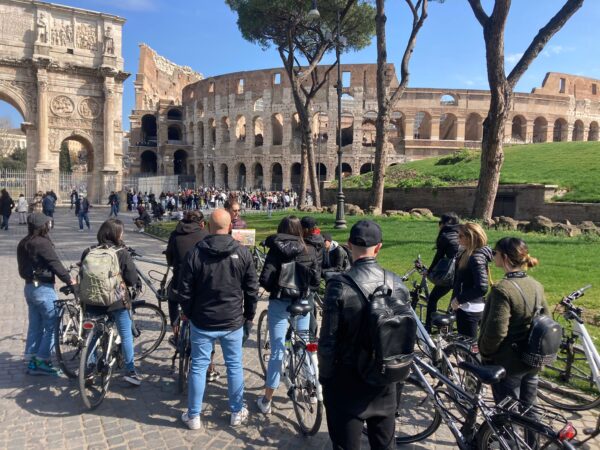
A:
[458,353]
[184,351]
[149,327]
[416,415]
[67,340]
[568,383]
[307,406]
[95,369]
[262,342]
[514,436]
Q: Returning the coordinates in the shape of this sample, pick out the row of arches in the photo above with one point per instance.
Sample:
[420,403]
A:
[559,129]
[149,163]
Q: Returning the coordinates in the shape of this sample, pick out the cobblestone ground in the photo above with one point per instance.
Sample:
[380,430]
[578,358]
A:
[41,412]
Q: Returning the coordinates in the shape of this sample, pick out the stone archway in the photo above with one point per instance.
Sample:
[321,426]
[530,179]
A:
[53,101]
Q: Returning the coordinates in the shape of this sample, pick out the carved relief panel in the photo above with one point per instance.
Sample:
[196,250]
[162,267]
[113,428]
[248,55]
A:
[87,36]
[89,108]
[61,34]
[62,106]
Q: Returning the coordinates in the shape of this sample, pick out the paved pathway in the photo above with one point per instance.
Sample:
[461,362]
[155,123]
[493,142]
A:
[40,412]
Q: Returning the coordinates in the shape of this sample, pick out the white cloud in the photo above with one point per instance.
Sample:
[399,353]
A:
[513,58]
[132,5]
[554,50]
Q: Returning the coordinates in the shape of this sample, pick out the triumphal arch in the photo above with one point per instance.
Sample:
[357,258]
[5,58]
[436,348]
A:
[62,68]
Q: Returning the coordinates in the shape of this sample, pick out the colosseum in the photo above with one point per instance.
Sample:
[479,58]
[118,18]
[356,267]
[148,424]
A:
[241,130]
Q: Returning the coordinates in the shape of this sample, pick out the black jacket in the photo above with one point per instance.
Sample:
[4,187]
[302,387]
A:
[340,340]
[185,236]
[316,241]
[446,244]
[6,205]
[128,273]
[144,217]
[471,283]
[335,260]
[37,255]
[217,285]
[286,248]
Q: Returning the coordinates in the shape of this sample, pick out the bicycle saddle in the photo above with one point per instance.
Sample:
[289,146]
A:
[68,289]
[441,320]
[485,374]
[299,309]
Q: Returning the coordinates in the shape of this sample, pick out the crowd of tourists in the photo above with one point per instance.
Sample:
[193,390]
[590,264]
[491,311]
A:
[215,285]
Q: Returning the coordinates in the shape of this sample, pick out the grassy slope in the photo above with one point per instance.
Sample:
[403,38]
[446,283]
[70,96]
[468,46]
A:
[566,264]
[572,165]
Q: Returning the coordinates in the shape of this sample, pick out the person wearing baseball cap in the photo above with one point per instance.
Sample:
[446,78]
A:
[349,400]
[39,265]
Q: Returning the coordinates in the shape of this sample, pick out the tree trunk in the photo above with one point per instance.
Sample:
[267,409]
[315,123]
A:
[383,117]
[303,177]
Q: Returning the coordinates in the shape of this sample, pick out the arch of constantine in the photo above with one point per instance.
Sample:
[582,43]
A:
[62,69]
[241,130]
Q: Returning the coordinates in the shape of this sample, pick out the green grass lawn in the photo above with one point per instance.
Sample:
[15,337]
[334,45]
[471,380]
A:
[566,264]
[574,166]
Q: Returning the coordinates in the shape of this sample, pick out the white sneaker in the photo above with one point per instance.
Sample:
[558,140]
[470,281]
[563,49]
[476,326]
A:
[141,230]
[265,407]
[193,423]
[237,418]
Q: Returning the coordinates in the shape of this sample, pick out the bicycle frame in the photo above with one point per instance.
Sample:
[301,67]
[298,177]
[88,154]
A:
[592,355]
[296,339]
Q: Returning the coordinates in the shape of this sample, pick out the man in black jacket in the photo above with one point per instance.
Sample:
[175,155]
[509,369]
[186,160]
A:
[335,258]
[350,400]
[218,292]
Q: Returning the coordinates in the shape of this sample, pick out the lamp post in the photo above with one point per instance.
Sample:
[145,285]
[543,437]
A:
[340,221]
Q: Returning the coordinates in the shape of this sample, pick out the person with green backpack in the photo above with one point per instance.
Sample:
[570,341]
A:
[107,270]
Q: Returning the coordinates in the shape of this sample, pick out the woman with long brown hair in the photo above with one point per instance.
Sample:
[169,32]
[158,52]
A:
[471,280]
[286,246]
[507,317]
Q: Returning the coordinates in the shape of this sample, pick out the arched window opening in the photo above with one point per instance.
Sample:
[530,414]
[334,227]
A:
[277,129]
[148,162]
[519,129]
[258,176]
[225,175]
[180,162]
[174,133]
[347,130]
[276,177]
[258,132]
[593,133]
[448,127]
[225,129]
[149,130]
[201,133]
[422,128]
[366,168]
[540,130]
[560,130]
[241,176]
[368,129]
[320,126]
[473,127]
[577,131]
[240,129]
[174,114]
[296,128]
[212,130]
[321,170]
[397,125]
[259,104]
[448,100]
[346,171]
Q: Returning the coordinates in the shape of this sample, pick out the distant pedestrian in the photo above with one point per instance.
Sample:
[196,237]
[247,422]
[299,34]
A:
[48,205]
[113,201]
[22,209]
[6,207]
[84,208]
[74,197]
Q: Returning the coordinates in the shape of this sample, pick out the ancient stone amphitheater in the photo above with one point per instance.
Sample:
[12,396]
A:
[241,130]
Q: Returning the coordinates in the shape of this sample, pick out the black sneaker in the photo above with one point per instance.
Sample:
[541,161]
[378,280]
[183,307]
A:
[133,378]
[212,376]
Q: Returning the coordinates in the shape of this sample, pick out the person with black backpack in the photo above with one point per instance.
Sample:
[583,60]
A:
[367,338]
[507,319]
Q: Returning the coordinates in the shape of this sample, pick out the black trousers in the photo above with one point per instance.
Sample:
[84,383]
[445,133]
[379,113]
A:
[343,397]
[436,293]
[467,323]
[521,386]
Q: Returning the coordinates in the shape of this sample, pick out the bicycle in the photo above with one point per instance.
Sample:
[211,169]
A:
[419,294]
[183,353]
[68,336]
[162,293]
[508,425]
[572,382]
[299,369]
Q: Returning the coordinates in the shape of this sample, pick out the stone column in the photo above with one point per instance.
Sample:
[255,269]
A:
[109,128]
[529,131]
[461,123]
[43,162]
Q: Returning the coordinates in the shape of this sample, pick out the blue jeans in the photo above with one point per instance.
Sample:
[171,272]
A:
[114,210]
[42,319]
[277,316]
[202,346]
[83,216]
[5,218]
[122,318]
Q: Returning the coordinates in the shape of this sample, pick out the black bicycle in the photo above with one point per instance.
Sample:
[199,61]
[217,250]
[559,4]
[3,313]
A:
[68,335]
[183,353]
[473,421]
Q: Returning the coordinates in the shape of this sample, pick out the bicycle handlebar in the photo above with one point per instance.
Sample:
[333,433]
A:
[578,293]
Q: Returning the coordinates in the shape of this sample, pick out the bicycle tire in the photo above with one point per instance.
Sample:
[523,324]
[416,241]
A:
[184,358]
[94,371]
[572,393]
[415,406]
[457,353]
[68,343]
[262,342]
[149,328]
[304,397]
[486,436]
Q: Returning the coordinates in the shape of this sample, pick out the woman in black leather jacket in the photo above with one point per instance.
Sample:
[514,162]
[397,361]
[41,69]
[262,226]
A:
[286,246]
[471,280]
[446,246]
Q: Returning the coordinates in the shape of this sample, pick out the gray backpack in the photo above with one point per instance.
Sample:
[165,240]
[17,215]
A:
[100,281]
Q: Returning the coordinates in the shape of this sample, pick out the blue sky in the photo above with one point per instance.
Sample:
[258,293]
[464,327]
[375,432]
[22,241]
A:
[450,52]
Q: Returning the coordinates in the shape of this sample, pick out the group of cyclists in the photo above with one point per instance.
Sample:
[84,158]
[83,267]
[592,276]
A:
[499,315]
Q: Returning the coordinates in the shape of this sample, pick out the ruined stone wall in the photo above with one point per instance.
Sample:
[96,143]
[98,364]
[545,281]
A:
[582,88]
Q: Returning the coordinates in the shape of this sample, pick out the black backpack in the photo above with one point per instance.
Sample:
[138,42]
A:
[543,339]
[389,328]
[348,252]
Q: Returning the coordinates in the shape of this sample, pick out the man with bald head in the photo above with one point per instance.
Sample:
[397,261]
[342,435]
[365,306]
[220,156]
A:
[218,291]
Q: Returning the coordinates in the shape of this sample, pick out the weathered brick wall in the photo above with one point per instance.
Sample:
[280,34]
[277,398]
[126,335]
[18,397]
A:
[529,201]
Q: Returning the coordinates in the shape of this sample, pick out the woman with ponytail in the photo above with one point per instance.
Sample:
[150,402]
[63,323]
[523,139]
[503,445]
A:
[471,280]
[507,317]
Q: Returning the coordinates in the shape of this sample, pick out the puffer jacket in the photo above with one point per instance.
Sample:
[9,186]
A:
[316,241]
[446,244]
[471,282]
[286,248]
[343,314]
[185,236]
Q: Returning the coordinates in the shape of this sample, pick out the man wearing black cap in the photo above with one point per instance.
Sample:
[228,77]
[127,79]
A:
[349,399]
